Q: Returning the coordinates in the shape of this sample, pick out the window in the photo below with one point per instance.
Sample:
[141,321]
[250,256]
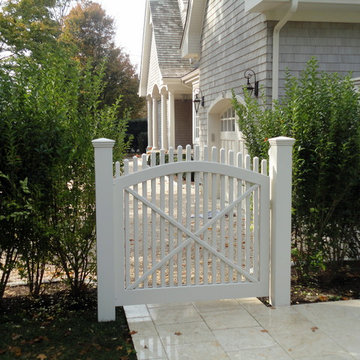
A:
[228,120]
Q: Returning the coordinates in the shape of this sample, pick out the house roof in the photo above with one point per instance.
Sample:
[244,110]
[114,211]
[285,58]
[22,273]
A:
[168,30]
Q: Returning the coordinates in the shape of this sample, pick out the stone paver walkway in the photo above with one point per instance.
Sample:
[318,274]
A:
[245,329]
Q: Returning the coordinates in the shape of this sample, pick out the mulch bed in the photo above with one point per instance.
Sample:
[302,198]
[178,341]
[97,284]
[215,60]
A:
[344,284]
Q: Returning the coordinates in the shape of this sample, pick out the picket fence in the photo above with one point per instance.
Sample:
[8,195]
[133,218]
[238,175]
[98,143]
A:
[195,226]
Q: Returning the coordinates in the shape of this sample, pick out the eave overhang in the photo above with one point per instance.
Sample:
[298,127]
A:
[190,43]
[308,10]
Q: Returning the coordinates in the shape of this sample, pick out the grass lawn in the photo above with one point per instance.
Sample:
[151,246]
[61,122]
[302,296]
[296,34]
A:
[56,326]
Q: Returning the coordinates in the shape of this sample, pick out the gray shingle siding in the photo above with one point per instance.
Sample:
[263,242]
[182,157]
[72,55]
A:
[335,45]
[232,41]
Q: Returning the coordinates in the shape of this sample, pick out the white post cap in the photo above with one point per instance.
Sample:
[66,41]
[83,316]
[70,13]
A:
[103,143]
[281,141]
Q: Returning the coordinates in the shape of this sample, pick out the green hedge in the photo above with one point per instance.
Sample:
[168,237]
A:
[321,111]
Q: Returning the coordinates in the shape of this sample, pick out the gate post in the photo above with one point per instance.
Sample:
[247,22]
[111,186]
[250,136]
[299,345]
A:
[104,228]
[280,172]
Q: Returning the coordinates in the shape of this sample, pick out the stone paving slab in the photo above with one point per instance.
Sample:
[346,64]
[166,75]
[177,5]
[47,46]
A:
[245,329]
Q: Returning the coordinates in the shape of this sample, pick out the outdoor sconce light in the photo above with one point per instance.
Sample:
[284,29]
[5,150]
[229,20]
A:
[248,74]
[198,100]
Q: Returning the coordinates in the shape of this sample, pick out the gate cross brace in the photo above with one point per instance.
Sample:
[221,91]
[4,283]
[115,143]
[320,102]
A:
[192,236]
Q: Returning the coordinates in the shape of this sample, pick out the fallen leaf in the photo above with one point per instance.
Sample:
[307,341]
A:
[84,351]
[41,357]
[119,348]
[145,347]
[15,350]
[16,336]
[41,338]
[133,332]
[178,333]
[313,329]
[264,331]
[323,298]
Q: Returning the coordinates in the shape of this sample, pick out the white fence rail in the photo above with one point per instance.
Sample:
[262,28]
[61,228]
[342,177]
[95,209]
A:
[193,228]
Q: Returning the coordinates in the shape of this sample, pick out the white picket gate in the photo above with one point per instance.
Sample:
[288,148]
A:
[191,229]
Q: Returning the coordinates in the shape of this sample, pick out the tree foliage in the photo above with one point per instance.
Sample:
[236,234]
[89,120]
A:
[27,26]
[51,107]
[321,111]
[91,31]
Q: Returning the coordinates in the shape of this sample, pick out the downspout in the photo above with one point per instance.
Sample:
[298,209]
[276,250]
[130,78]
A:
[276,48]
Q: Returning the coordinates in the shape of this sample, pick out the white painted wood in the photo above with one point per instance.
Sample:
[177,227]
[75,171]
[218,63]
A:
[149,120]
[247,219]
[153,222]
[164,120]
[231,217]
[136,223]
[185,228]
[194,236]
[213,211]
[264,169]
[221,239]
[255,219]
[179,216]
[171,117]
[104,228]
[117,169]
[126,166]
[144,221]
[188,216]
[155,127]
[127,229]
[197,215]
[205,214]
[171,214]
[239,233]
[280,172]
[162,223]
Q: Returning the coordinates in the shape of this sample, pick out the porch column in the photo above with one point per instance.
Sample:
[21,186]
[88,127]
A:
[171,119]
[164,131]
[155,133]
[149,121]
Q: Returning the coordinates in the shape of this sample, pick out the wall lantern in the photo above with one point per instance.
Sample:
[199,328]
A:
[248,74]
[198,100]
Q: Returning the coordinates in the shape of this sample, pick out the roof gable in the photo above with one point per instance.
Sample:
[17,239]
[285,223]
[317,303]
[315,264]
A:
[163,24]
[168,30]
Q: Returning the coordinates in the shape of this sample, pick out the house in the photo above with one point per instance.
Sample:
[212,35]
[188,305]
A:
[201,50]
